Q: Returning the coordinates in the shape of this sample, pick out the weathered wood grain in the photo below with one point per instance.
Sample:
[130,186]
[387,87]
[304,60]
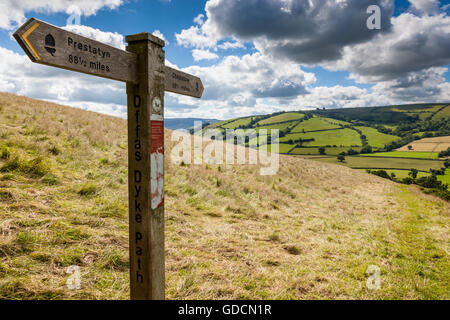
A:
[183,83]
[74,52]
[145,127]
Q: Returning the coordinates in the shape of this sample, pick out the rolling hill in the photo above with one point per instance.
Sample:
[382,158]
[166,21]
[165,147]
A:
[309,232]
[388,138]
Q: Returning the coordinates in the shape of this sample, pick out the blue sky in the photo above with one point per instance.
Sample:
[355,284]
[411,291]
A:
[275,62]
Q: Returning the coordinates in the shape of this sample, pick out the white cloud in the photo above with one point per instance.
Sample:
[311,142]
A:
[200,19]
[159,34]
[12,12]
[231,45]
[425,6]
[197,37]
[112,38]
[408,48]
[19,75]
[238,86]
[199,55]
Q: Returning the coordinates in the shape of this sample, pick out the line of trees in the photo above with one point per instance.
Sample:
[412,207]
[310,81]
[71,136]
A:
[429,184]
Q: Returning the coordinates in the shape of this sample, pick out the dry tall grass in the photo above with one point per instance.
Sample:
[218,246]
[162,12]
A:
[309,232]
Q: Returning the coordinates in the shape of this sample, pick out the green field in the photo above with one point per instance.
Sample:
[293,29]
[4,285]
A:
[237,123]
[341,137]
[446,178]
[386,163]
[376,138]
[314,124]
[404,154]
[288,116]
[337,122]
[283,148]
[445,113]
[280,126]
[315,151]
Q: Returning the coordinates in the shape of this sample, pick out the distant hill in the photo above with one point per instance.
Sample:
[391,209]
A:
[309,232]
[185,123]
[363,138]
[338,130]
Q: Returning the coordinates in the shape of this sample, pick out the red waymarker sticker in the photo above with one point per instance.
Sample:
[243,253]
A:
[157,163]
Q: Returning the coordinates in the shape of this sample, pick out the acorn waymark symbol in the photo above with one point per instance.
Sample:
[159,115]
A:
[50,44]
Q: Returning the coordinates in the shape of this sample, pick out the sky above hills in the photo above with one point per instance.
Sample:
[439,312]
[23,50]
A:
[254,56]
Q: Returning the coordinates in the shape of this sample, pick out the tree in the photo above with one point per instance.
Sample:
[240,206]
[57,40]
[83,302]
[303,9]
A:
[447,164]
[444,153]
[322,151]
[366,149]
[413,173]
[410,147]
[352,152]
[393,175]
[341,158]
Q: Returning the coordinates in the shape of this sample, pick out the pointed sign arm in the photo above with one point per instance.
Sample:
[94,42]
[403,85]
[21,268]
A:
[53,46]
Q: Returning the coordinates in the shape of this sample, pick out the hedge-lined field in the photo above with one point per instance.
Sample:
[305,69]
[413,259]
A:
[341,137]
[404,154]
[289,116]
[376,138]
[314,124]
[386,163]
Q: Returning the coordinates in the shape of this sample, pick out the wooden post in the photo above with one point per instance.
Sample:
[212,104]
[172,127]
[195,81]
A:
[143,68]
[146,168]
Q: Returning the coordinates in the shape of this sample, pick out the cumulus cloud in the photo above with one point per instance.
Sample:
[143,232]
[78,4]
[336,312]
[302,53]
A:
[197,37]
[253,75]
[238,86]
[199,55]
[406,49]
[199,19]
[304,31]
[12,12]
[333,34]
[159,34]
[422,86]
[231,45]
[425,6]
[112,38]
[19,75]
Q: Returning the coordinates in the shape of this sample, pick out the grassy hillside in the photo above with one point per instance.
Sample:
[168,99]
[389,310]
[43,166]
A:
[418,131]
[308,233]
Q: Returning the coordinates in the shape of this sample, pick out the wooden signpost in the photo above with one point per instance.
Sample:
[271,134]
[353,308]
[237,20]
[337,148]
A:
[142,67]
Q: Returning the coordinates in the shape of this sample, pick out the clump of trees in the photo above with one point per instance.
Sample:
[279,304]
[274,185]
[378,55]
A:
[445,153]
[429,184]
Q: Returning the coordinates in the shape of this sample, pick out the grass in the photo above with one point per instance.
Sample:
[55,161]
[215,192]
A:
[283,148]
[315,124]
[309,232]
[404,154]
[445,178]
[445,113]
[280,126]
[287,116]
[237,123]
[376,138]
[342,137]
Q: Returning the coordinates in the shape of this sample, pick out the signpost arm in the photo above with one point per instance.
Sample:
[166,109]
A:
[146,168]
